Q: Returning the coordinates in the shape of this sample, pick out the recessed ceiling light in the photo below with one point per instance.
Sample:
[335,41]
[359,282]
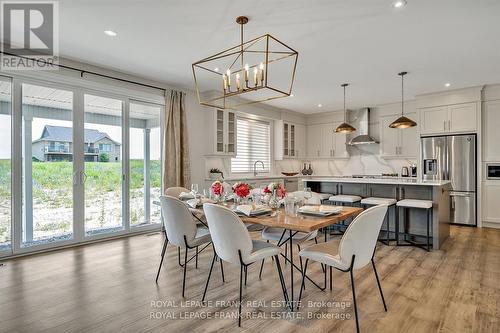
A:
[216,69]
[447,84]
[320,105]
[399,3]
[110,33]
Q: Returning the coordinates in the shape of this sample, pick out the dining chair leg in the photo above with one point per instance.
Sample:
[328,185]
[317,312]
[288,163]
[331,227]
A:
[282,279]
[208,278]
[246,274]
[331,278]
[291,266]
[222,270]
[354,300]
[379,286]
[261,267]
[184,275]
[164,249]
[179,256]
[302,285]
[300,258]
[241,291]
[196,260]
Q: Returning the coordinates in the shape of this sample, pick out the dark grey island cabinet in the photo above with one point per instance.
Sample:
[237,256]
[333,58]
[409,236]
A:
[400,188]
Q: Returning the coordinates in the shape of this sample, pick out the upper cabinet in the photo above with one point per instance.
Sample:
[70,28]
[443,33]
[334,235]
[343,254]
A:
[491,132]
[449,119]
[289,140]
[323,142]
[398,143]
[223,139]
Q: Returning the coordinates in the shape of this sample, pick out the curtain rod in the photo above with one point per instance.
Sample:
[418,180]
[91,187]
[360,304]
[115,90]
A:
[82,72]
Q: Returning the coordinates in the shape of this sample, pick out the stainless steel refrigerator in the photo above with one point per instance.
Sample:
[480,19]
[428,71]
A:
[454,158]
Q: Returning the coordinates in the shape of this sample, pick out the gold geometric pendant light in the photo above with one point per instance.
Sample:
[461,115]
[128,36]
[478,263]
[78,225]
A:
[402,122]
[345,127]
[257,70]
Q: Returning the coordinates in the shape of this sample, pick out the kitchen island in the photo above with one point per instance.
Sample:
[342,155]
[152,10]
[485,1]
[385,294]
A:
[397,188]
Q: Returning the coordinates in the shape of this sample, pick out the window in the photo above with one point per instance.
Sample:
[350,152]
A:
[253,144]
[105,147]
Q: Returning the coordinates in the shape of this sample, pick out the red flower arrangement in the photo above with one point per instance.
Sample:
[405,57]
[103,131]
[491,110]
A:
[280,190]
[217,188]
[242,190]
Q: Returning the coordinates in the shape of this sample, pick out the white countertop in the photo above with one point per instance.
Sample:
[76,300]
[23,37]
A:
[390,181]
[263,177]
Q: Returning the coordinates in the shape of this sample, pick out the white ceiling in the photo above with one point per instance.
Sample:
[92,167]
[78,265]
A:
[363,42]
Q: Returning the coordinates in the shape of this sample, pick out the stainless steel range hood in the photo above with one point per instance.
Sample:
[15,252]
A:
[360,119]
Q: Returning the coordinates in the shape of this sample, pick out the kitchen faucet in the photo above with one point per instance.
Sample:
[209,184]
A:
[255,167]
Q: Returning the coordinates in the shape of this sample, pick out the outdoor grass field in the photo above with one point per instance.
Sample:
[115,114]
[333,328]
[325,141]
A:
[53,200]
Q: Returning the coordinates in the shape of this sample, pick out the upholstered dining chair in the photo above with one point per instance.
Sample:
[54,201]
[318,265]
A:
[355,251]
[175,191]
[277,234]
[232,243]
[181,230]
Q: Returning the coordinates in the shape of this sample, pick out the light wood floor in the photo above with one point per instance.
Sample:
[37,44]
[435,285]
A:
[109,287]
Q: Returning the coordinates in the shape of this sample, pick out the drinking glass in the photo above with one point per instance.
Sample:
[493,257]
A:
[290,205]
[194,189]
[307,193]
[256,198]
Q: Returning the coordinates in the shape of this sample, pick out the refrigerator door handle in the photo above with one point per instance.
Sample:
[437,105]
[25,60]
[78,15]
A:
[460,194]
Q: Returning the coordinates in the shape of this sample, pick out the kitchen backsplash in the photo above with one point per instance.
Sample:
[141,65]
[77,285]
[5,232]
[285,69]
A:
[363,160]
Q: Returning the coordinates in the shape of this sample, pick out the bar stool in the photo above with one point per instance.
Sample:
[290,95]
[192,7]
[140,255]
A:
[419,204]
[324,196]
[344,199]
[390,202]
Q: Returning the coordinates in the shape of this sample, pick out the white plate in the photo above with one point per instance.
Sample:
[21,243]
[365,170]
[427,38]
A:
[255,212]
[318,213]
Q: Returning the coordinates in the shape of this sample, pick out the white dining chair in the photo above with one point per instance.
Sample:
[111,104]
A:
[355,251]
[279,235]
[176,191]
[232,243]
[181,230]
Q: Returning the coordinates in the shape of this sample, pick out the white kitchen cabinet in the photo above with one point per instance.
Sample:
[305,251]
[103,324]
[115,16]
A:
[289,140]
[490,206]
[491,132]
[398,143]
[301,141]
[462,118]
[323,142]
[340,143]
[313,141]
[222,141]
[457,118]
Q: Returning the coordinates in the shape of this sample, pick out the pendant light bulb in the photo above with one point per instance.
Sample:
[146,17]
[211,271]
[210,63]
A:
[345,127]
[402,122]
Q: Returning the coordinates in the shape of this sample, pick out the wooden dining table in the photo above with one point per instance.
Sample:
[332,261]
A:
[292,225]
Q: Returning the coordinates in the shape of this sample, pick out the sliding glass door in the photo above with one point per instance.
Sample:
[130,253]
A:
[145,163]
[75,165]
[47,165]
[5,166]
[103,173]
